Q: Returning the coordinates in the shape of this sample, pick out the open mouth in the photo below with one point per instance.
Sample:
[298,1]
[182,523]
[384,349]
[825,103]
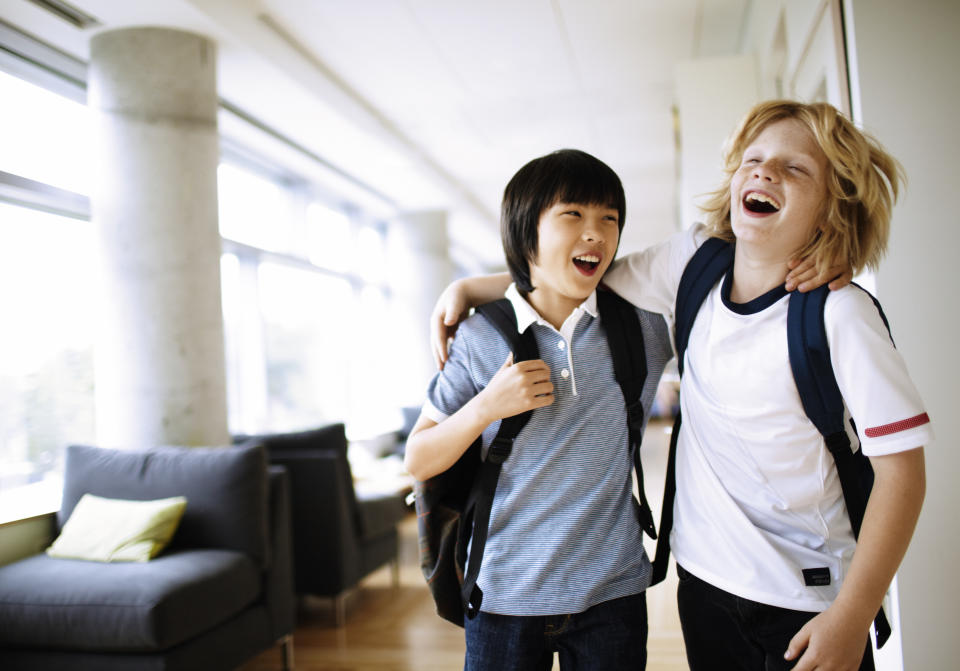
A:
[760,203]
[587,263]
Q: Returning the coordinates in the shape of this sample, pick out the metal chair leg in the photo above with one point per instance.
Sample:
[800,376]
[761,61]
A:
[340,609]
[395,572]
[286,652]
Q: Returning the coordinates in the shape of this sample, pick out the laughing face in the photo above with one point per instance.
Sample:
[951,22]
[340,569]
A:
[777,193]
[576,244]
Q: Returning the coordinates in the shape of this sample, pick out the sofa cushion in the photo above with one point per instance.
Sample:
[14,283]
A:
[79,605]
[109,530]
[226,490]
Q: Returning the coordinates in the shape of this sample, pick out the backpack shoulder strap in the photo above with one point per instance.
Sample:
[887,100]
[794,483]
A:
[476,516]
[823,404]
[625,338]
[501,314]
[819,392]
[704,269]
[810,361]
[709,263]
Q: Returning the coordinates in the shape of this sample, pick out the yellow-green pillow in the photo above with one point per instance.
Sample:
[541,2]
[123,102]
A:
[111,530]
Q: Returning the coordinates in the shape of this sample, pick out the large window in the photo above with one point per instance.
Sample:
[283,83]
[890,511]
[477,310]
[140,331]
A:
[46,353]
[43,136]
[47,275]
[308,376]
[304,307]
[304,298]
[253,210]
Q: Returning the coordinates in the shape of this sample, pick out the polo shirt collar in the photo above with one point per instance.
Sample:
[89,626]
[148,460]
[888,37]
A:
[527,315]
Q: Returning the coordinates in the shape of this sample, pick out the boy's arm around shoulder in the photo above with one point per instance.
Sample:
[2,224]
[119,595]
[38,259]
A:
[433,447]
[454,304]
[649,278]
[834,639]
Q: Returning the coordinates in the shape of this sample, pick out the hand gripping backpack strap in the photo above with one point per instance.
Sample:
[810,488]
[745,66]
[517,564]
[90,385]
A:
[476,518]
[823,404]
[625,338]
[708,264]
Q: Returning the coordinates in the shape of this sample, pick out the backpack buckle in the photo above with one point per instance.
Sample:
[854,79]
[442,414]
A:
[635,418]
[499,450]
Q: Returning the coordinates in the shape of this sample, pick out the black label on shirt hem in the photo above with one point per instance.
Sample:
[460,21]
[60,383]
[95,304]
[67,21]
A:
[816,577]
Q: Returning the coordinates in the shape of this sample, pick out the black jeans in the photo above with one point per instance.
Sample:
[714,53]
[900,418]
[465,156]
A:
[725,631]
[611,636]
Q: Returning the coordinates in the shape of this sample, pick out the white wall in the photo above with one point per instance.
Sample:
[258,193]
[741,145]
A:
[712,95]
[907,57]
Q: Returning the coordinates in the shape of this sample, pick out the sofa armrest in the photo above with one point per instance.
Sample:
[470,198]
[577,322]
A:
[326,520]
[278,581]
[382,512]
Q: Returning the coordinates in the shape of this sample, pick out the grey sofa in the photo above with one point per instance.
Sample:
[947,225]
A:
[338,537]
[219,595]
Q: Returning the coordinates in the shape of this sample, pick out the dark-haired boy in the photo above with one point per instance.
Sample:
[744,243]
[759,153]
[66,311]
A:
[564,568]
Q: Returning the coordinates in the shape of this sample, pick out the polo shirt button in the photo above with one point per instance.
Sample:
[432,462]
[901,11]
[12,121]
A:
[561,345]
[565,373]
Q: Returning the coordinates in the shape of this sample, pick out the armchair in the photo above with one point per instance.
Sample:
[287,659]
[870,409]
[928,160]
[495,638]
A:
[339,536]
[219,595]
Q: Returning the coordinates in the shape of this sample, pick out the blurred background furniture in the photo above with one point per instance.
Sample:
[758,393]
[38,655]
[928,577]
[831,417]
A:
[341,532]
[218,595]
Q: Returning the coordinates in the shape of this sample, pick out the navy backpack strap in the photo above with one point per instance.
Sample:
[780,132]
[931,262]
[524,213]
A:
[625,338]
[476,517]
[823,404]
[810,361]
[707,266]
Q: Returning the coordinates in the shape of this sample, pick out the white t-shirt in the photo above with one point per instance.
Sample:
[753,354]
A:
[758,497]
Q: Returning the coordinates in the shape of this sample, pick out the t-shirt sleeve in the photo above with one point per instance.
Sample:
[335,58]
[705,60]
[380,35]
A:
[649,278]
[872,375]
[452,387]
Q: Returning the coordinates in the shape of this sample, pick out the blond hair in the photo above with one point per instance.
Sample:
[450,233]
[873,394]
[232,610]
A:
[862,183]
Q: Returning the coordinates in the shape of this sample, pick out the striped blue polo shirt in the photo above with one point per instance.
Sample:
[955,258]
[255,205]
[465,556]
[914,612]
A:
[563,533]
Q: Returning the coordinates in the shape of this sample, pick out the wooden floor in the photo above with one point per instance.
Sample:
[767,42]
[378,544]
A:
[392,628]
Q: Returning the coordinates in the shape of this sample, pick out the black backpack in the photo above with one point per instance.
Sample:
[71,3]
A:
[452,505]
[812,373]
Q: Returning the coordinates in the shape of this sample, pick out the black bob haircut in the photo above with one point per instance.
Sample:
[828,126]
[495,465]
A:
[566,175]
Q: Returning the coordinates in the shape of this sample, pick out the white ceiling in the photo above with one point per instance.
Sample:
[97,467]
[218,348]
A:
[436,103]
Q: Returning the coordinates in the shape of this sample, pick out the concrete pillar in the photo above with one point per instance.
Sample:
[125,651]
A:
[160,356]
[419,268]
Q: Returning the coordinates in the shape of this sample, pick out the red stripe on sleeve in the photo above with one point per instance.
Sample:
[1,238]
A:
[902,425]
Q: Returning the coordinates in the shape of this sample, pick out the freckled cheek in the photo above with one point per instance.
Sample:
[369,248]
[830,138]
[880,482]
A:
[736,182]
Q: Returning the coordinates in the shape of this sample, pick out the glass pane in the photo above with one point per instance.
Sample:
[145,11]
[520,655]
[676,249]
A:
[45,137]
[375,409]
[253,210]
[47,264]
[329,238]
[306,318]
[243,338]
[371,255]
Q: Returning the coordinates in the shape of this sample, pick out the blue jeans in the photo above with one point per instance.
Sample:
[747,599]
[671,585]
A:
[725,631]
[607,637]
